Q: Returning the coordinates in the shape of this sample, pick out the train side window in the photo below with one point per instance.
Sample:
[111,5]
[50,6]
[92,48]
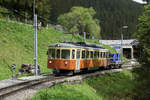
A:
[83,54]
[65,54]
[97,54]
[73,54]
[91,54]
[104,55]
[108,55]
[87,54]
[58,53]
[51,53]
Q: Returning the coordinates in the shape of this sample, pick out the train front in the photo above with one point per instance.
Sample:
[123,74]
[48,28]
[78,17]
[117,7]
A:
[61,57]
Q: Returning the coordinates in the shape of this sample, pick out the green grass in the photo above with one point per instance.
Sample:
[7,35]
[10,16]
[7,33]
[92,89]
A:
[68,92]
[17,45]
[114,86]
[117,86]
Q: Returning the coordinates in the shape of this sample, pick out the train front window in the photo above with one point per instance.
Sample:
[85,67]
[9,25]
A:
[58,53]
[65,54]
[51,53]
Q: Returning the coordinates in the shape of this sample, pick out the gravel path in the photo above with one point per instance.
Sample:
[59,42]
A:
[27,93]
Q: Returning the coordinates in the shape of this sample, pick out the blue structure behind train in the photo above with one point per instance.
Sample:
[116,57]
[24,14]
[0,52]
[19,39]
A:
[115,58]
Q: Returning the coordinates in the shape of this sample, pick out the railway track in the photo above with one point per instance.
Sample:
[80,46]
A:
[24,84]
[47,81]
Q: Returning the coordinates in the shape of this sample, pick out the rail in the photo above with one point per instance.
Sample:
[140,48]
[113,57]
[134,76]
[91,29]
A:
[50,80]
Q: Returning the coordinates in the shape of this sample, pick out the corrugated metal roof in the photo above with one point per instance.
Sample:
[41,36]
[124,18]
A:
[118,42]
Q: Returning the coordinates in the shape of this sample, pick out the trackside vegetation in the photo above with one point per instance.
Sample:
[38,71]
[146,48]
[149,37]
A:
[108,87]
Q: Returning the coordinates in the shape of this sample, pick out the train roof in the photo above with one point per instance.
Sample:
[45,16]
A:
[78,45]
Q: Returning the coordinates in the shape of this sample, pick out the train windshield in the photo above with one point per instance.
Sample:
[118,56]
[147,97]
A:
[65,54]
[51,53]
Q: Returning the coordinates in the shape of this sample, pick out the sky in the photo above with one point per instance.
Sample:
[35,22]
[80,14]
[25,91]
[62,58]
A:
[139,1]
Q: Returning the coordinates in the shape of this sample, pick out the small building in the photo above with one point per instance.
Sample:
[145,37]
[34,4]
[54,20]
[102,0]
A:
[130,48]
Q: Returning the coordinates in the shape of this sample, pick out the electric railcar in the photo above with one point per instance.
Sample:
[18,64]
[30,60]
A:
[75,57]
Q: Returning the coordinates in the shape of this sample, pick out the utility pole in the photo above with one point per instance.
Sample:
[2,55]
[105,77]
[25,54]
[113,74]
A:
[123,27]
[35,40]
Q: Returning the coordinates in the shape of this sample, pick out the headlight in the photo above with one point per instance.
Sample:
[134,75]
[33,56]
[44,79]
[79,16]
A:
[66,62]
[50,62]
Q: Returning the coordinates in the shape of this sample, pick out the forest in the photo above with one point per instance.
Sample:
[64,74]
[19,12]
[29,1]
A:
[113,15]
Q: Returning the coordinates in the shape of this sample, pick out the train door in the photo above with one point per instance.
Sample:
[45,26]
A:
[78,60]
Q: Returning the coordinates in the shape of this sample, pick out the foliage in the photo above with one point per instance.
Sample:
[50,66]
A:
[24,9]
[143,73]
[67,92]
[112,14]
[116,86]
[80,20]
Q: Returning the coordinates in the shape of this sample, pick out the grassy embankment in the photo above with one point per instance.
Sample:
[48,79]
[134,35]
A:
[108,87]
[17,44]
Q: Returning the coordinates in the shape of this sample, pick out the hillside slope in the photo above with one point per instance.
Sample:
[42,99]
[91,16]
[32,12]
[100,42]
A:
[17,45]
